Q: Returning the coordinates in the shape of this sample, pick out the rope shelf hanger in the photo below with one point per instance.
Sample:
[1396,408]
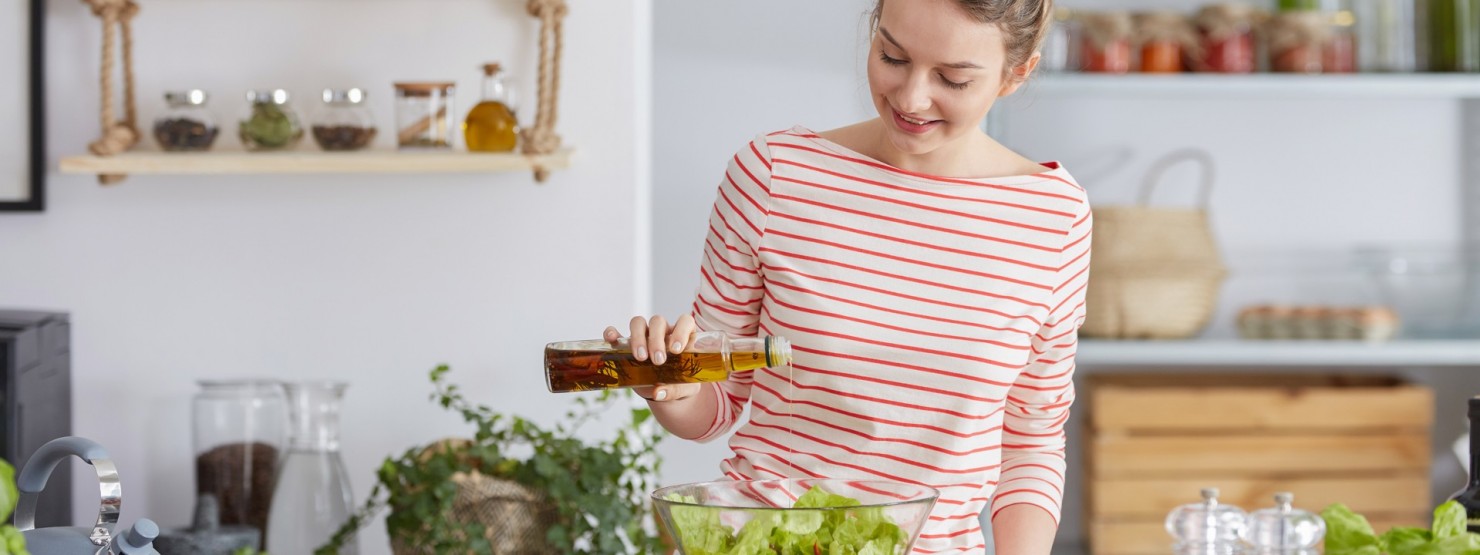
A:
[119,135]
[541,138]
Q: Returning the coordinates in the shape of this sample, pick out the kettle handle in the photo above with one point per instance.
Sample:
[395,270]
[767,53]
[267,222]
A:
[38,469]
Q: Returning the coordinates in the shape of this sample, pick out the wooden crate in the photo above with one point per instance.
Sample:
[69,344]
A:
[1155,440]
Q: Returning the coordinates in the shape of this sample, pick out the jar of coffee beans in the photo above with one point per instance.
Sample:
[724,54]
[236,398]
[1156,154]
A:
[186,124]
[343,122]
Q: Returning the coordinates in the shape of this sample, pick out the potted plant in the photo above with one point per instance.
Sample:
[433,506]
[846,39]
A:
[517,487]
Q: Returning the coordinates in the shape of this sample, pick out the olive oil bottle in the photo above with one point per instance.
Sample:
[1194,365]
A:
[491,125]
[596,364]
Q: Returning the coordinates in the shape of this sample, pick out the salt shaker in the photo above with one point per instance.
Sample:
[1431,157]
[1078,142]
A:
[1284,530]
[1206,528]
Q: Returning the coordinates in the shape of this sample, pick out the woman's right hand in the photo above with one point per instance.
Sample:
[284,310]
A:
[653,337]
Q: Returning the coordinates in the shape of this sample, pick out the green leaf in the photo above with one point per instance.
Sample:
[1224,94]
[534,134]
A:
[1449,520]
[1348,533]
[9,494]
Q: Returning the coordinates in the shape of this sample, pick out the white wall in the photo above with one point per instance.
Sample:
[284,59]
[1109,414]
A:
[369,279]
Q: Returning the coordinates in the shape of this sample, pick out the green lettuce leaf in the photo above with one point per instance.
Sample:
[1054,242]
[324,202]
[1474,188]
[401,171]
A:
[1348,533]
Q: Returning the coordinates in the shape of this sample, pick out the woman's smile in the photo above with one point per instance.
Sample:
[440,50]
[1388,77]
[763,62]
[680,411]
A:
[913,125]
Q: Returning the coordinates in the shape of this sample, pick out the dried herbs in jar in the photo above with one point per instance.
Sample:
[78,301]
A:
[270,123]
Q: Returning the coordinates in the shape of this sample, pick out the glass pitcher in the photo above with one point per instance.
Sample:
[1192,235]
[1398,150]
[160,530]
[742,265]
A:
[313,496]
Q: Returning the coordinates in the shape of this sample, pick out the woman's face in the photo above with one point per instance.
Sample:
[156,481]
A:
[934,72]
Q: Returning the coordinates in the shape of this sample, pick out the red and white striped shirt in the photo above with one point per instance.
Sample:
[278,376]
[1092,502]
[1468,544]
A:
[933,323]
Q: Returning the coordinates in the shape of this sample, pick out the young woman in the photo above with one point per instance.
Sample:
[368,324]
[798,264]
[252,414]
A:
[930,280]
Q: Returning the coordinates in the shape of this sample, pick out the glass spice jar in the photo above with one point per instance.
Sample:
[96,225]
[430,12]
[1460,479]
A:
[270,122]
[1226,35]
[1106,44]
[186,125]
[424,114]
[1059,52]
[1164,37]
[343,122]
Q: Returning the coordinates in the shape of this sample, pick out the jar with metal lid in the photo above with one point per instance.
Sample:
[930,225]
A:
[186,124]
[424,114]
[1284,530]
[343,122]
[270,122]
[1206,528]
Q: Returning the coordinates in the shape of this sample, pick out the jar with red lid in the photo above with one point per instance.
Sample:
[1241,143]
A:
[1226,38]
[1106,41]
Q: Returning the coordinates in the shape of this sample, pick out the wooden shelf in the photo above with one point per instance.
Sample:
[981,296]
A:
[228,162]
[1259,85]
[1234,352]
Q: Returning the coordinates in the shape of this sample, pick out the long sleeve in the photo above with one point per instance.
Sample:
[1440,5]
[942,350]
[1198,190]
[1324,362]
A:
[731,284]
[1038,402]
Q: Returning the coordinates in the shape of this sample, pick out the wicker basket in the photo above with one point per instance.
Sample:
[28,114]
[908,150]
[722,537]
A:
[515,518]
[1155,272]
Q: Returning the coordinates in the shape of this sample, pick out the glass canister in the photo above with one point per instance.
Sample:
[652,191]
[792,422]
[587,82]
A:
[1226,37]
[1106,41]
[1206,528]
[424,114]
[270,122]
[312,497]
[1059,44]
[240,429]
[186,124]
[1284,530]
[343,122]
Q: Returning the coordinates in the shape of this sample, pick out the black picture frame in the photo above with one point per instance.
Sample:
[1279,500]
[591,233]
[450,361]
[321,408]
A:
[36,200]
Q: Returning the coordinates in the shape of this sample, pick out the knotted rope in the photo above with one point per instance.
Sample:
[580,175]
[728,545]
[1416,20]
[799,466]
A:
[117,135]
[541,138]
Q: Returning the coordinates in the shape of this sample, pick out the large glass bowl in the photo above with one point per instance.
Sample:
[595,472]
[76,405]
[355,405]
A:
[786,516]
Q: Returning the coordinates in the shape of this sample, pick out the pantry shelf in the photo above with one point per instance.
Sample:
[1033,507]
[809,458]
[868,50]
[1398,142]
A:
[1260,85]
[1234,352]
[312,162]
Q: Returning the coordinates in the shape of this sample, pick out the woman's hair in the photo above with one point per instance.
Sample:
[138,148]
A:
[1023,22]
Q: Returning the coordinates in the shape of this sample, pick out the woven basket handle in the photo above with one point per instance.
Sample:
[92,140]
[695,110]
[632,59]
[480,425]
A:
[1153,175]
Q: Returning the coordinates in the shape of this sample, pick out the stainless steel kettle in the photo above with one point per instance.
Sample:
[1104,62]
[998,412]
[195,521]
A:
[78,540]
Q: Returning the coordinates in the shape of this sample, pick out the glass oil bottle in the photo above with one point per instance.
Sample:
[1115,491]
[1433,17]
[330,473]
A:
[491,125]
[712,356]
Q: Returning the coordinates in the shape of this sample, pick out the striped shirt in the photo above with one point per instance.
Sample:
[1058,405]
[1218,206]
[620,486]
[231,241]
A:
[933,322]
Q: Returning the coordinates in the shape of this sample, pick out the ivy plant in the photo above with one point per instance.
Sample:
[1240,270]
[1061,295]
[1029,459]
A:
[598,488]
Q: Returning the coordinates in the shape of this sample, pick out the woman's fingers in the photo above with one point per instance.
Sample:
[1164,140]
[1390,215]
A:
[637,337]
[667,392]
[657,335]
[682,334]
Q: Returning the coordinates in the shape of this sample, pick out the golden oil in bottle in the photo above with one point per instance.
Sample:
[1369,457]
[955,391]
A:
[596,364]
[491,125]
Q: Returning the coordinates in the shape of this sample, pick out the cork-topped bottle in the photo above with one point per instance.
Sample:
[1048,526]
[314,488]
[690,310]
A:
[491,125]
